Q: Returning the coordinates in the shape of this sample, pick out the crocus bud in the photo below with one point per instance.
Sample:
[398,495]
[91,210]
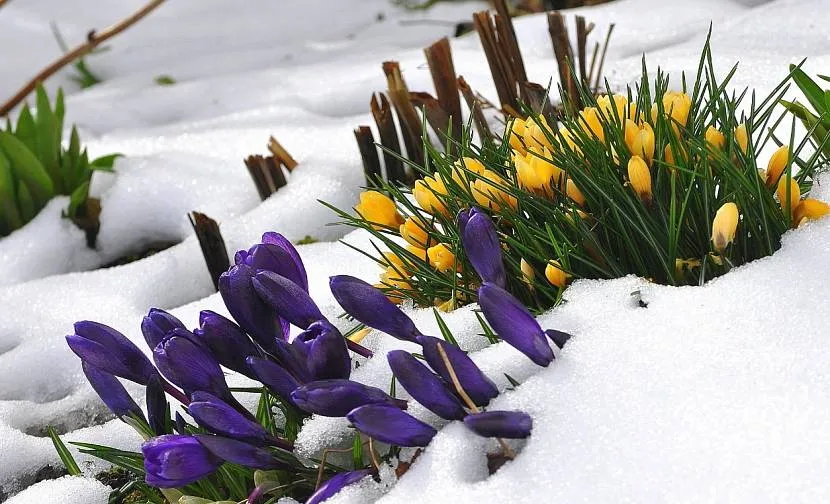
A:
[239,452]
[536,132]
[110,351]
[335,398]
[226,340]
[714,138]
[461,168]
[500,424]
[428,192]
[371,307]
[516,138]
[274,376]
[789,195]
[414,230]
[246,307]
[810,209]
[640,140]
[288,299]
[328,356]
[528,274]
[157,414]
[218,417]
[488,191]
[379,210]
[110,390]
[640,178]
[590,123]
[283,243]
[270,257]
[607,104]
[335,484]
[473,381]
[536,172]
[777,164]
[389,424]
[441,258]
[424,386]
[742,137]
[157,324]
[555,275]
[481,244]
[513,323]
[573,192]
[189,365]
[177,460]
[724,225]
[559,338]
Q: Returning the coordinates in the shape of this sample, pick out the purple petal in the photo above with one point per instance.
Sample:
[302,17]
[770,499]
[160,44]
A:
[371,307]
[513,323]
[475,383]
[559,338]
[110,351]
[157,414]
[425,386]
[239,452]
[189,365]
[391,425]
[157,324]
[335,484]
[177,460]
[270,257]
[226,341]
[282,242]
[246,307]
[328,356]
[502,424]
[216,416]
[273,376]
[335,398]
[111,391]
[287,298]
[481,244]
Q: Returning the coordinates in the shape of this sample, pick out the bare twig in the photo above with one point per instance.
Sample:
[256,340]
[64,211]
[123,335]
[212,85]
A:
[93,40]
[373,455]
[212,245]
[474,104]
[439,59]
[602,58]
[326,452]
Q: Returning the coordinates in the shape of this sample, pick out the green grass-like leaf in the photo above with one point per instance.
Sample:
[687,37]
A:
[63,452]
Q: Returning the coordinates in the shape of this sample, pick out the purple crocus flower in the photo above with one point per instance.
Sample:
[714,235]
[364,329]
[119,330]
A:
[157,324]
[217,416]
[177,460]
[335,484]
[275,253]
[481,244]
[189,365]
[287,298]
[239,452]
[475,383]
[274,376]
[501,424]
[246,307]
[336,398]
[328,356]
[425,386]
[371,307]
[110,351]
[513,323]
[391,425]
[226,340]
[282,242]
[111,391]
[157,414]
[559,338]
[293,356]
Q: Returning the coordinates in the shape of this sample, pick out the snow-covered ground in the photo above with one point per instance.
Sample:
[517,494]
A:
[717,393]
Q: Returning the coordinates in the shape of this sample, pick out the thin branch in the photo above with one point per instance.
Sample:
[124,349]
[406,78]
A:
[93,40]
[3,2]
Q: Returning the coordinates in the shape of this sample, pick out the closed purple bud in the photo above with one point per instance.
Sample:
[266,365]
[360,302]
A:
[283,243]
[293,356]
[481,244]
[189,365]
[274,376]
[288,299]
[501,424]
[157,324]
[335,484]
[246,307]
[239,452]
[513,323]
[328,356]
[475,383]
[177,460]
[157,414]
[335,398]
[269,257]
[216,416]
[391,425]
[226,340]
[371,307]
[111,391]
[559,338]
[424,386]
[110,351]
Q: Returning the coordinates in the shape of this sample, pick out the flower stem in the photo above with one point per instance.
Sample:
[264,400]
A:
[359,349]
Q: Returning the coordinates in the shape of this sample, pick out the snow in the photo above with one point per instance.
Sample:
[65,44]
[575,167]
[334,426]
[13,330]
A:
[709,394]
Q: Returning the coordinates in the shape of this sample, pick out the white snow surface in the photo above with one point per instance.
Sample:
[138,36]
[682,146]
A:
[717,393]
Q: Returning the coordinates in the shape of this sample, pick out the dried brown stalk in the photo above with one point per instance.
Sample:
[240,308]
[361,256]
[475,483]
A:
[439,59]
[435,114]
[385,121]
[564,57]
[536,97]
[93,40]
[410,124]
[212,245]
[474,104]
[282,155]
[602,58]
[369,155]
[267,174]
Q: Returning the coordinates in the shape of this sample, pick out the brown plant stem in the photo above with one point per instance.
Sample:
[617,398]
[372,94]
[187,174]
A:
[93,40]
